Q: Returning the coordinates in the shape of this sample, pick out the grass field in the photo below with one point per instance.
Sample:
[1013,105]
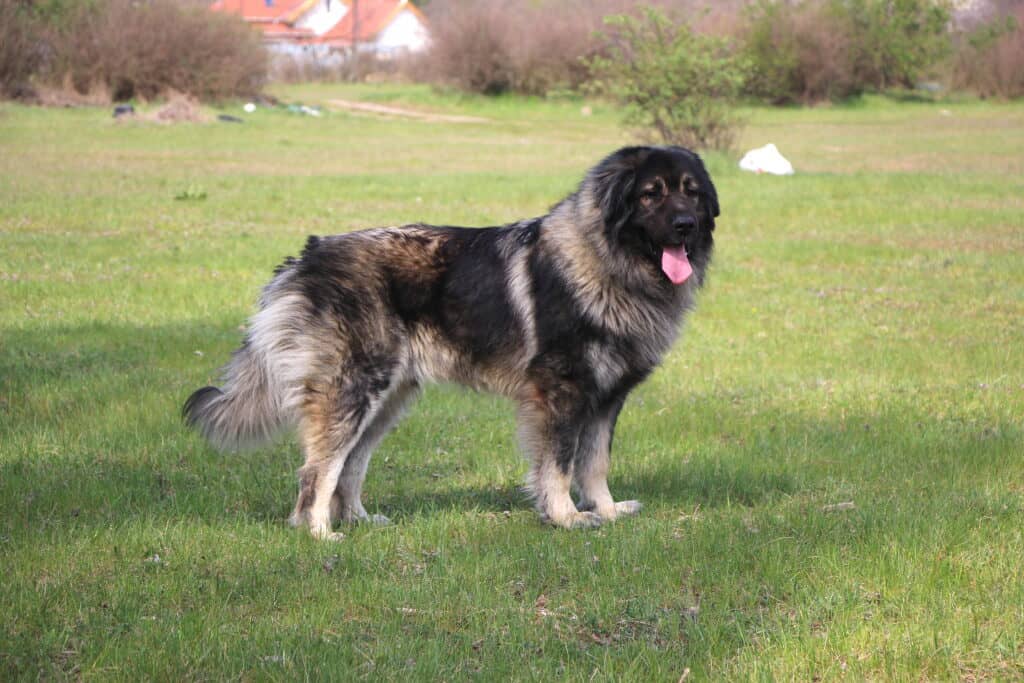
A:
[861,340]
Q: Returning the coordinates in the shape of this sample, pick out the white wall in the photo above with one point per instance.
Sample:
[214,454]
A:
[405,32]
[320,19]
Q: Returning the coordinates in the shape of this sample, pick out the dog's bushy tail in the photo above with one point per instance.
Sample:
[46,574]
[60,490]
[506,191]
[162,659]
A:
[244,412]
[256,399]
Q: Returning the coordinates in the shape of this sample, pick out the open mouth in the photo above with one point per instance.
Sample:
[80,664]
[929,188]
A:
[675,264]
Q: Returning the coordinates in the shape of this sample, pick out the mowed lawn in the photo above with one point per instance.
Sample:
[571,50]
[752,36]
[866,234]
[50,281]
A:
[831,458]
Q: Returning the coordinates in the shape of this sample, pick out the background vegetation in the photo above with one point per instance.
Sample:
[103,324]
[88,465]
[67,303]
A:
[695,106]
[678,67]
[858,342]
[807,51]
[124,49]
[989,55]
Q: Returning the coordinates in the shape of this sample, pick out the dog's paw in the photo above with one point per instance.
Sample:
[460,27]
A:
[585,520]
[628,507]
[363,517]
[324,533]
[574,519]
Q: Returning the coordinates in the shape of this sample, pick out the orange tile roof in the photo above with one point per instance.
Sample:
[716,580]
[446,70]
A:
[277,31]
[259,10]
[374,17]
[277,19]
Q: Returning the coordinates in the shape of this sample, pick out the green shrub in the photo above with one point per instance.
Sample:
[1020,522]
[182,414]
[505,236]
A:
[679,84]
[896,41]
[989,57]
[833,49]
[798,53]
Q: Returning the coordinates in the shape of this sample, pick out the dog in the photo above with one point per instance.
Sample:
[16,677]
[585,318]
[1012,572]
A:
[565,314]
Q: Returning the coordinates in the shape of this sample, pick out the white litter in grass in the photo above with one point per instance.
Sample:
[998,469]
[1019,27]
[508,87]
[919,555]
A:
[766,159]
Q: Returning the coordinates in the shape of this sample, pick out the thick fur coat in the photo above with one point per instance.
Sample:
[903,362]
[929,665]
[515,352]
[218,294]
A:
[565,314]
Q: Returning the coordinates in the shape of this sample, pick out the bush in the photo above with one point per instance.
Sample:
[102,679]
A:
[496,46]
[989,58]
[145,48]
[896,41]
[470,49]
[798,53]
[21,48]
[679,84]
[833,49]
[127,48]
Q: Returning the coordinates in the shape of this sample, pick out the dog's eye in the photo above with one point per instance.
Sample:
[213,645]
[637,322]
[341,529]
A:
[650,195]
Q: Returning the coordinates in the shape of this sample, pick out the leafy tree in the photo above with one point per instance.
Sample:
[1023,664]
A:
[897,40]
[680,84]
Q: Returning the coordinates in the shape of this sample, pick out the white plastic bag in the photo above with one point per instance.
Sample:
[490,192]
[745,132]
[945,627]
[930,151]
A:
[766,159]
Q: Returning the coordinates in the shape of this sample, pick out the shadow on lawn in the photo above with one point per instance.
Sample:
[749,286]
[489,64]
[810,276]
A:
[96,409]
[707,485]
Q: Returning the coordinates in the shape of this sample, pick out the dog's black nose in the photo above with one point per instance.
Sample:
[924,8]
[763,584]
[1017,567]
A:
[684,224]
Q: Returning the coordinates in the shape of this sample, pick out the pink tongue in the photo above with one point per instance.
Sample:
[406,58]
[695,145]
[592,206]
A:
[675,264]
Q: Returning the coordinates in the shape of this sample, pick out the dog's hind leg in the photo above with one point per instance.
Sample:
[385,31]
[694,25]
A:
[346,504]
[334,416]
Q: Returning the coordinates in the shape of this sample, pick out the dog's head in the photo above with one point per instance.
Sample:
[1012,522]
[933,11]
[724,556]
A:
[660,203]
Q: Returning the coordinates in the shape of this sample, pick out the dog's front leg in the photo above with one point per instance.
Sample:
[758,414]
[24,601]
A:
[550,484]
[551,437]
[590,475]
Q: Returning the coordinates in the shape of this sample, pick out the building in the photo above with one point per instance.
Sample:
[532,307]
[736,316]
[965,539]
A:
[326,29]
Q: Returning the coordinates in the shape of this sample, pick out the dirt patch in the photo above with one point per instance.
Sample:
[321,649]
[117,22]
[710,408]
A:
[179,109]
[384,110]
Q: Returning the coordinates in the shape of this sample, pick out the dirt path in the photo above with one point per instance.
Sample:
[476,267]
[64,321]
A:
[383,110]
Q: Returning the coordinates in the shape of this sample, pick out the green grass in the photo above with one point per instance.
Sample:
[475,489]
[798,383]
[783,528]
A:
[861,339]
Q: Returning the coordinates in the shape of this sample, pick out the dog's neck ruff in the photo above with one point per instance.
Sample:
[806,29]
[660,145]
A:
[616,290]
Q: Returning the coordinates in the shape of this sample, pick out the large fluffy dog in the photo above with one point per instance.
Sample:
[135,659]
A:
[564,314]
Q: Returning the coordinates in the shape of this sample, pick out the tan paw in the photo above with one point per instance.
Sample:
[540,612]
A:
[586,520]
[577,520]
[324,533]
[628,507]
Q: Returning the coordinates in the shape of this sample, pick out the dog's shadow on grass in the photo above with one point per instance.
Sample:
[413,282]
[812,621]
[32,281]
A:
[708,484]
[184,479]
[505,497]
[92,436]
[260,487]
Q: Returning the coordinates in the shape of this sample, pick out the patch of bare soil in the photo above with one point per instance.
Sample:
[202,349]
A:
[385,110]
[179,109]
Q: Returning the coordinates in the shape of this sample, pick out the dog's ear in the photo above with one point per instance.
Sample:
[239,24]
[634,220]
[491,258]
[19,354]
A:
[613,181]
[707,190]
